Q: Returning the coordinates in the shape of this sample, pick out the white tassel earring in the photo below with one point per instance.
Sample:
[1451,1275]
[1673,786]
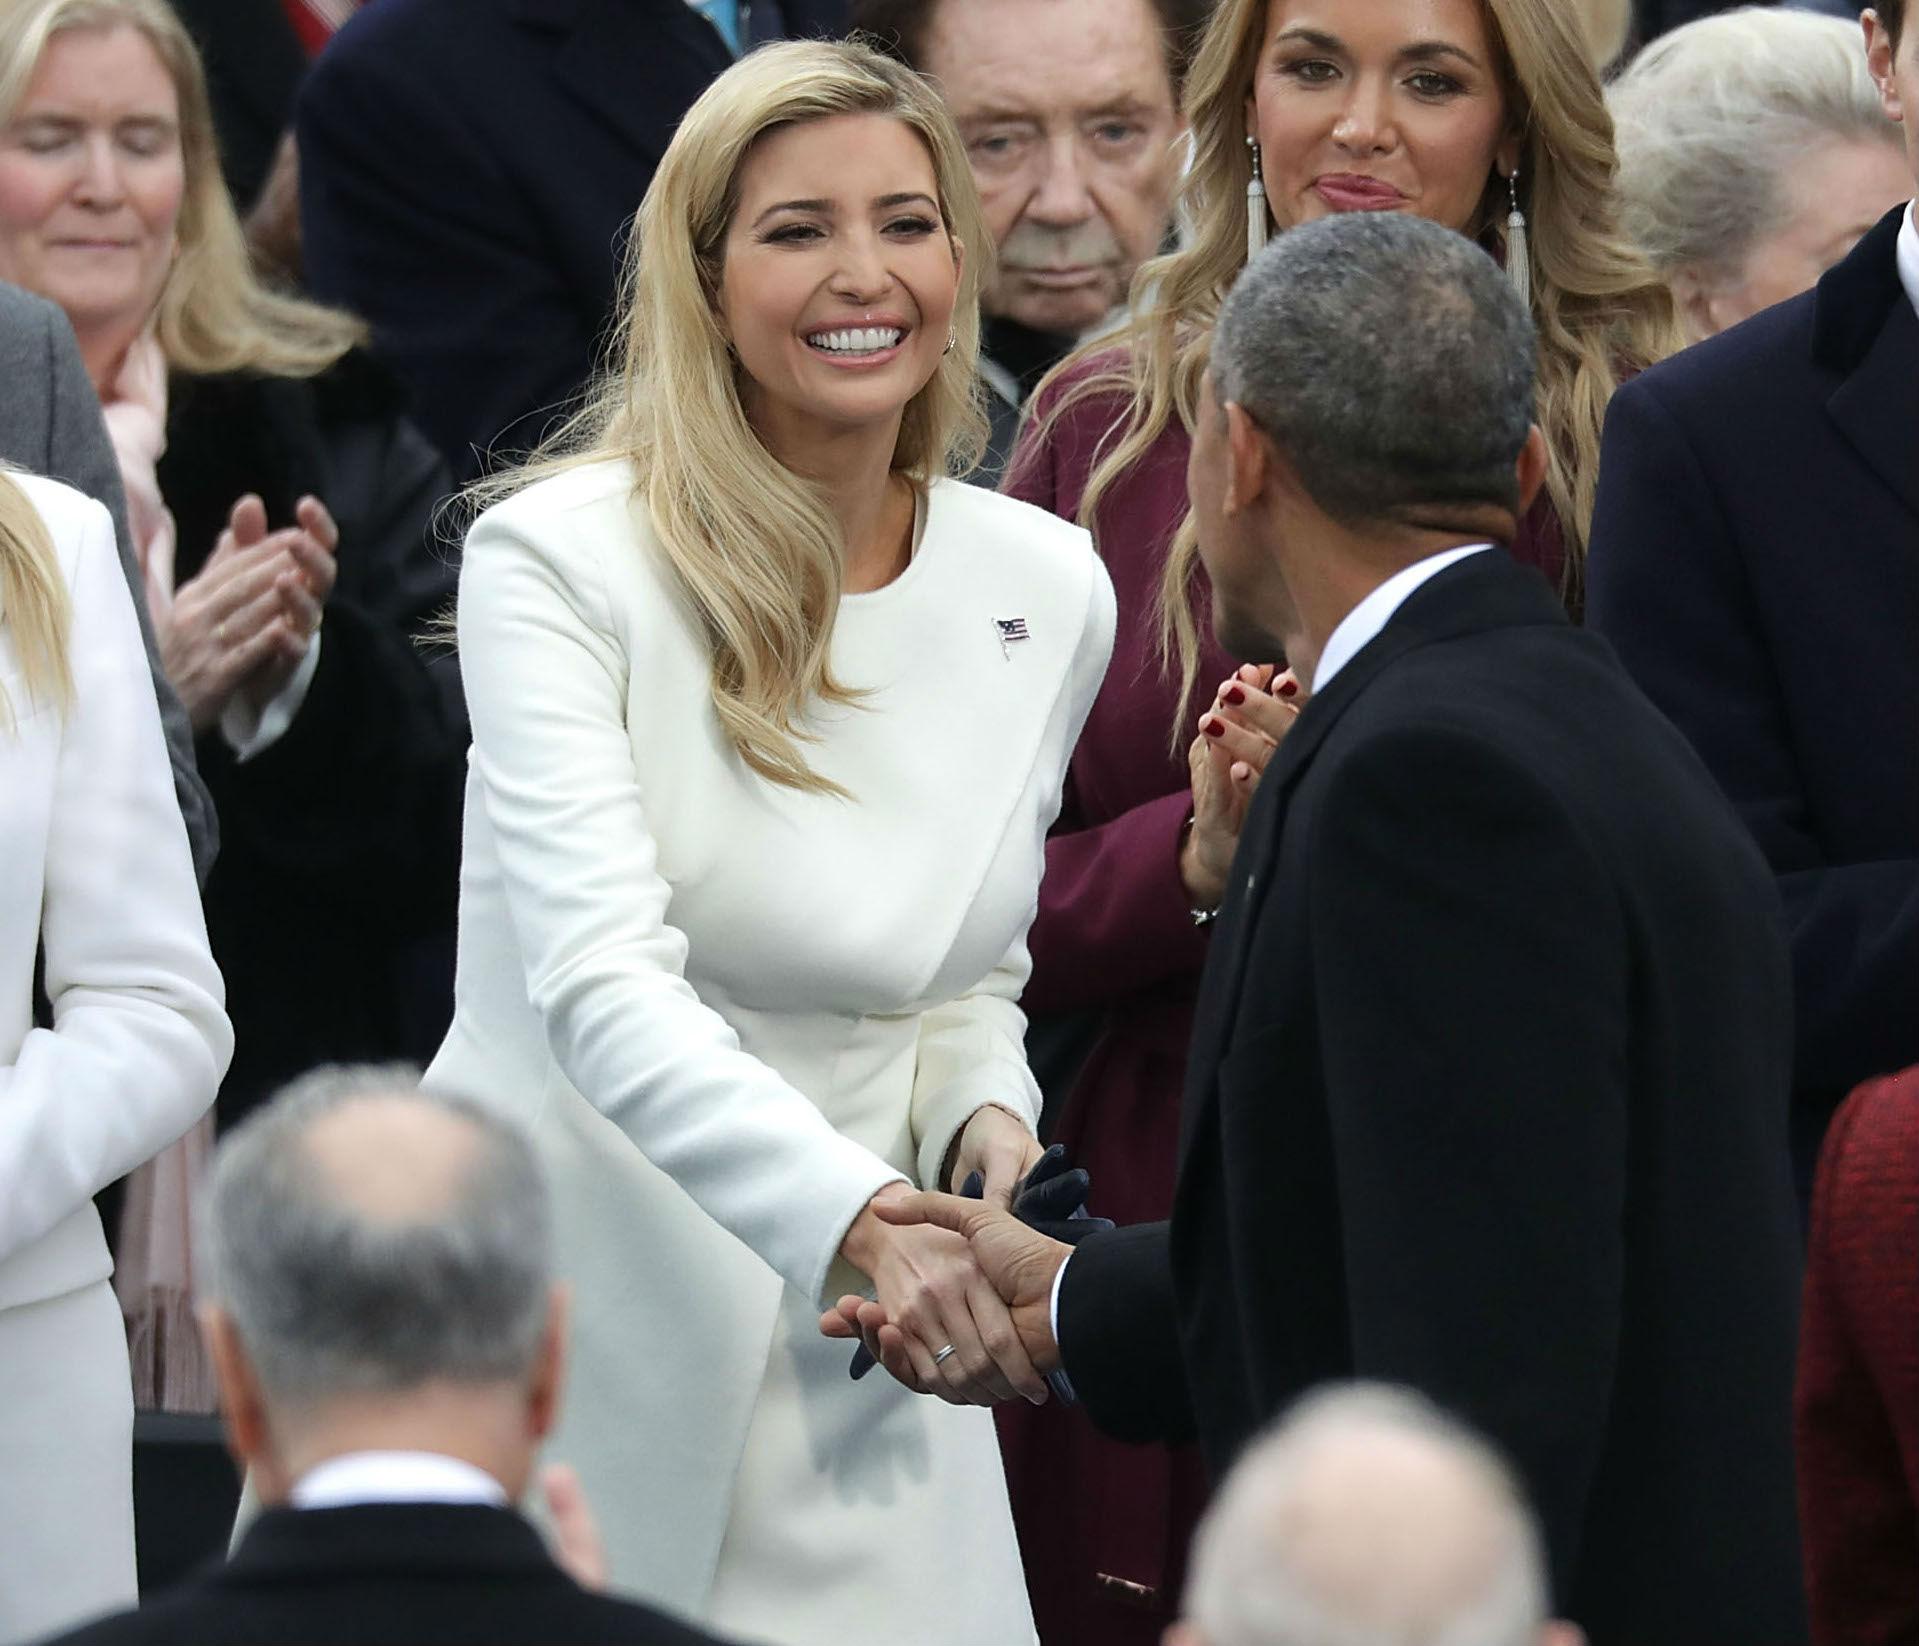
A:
[1519,268]
[1255,205]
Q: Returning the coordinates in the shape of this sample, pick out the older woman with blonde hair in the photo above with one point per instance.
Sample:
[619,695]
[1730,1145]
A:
[271,482]
[96,881]
[1754,154]
[770,717]
[1485,116]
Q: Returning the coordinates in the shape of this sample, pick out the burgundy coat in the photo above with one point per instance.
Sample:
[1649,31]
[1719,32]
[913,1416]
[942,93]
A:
[1858,1398]
[1104,1527]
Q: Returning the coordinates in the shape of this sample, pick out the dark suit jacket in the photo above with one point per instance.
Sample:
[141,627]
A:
[1488,1096]
[468,171]
[1755,561]
[387,1575]
[331,908]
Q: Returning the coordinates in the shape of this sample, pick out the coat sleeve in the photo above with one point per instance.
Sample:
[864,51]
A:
[1505,1070]
[139,1038]
[604,965]
[1114,916]
[79,453]
[1669,589]
[1119,1340]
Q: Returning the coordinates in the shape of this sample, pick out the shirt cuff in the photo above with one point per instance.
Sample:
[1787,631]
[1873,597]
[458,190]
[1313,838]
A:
[250,731]
[1052,1309]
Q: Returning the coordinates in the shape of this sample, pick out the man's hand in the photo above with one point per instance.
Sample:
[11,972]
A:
[1252,711]
[996,1144]
[1018,1263]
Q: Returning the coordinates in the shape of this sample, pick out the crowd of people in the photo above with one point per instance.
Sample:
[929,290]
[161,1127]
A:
[1180,721]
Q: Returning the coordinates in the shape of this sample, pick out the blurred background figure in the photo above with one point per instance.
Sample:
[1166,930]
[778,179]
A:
[1858,1396]
[1608,27]
[391,1347]
[1367,1517]
[468,172]
[95,882]
[1070,112]
[1754,154]
[254,441]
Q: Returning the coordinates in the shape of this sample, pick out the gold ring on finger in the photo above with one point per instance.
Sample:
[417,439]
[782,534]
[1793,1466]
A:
[220,632]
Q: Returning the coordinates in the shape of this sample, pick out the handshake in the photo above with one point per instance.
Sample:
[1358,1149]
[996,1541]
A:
[965,1283]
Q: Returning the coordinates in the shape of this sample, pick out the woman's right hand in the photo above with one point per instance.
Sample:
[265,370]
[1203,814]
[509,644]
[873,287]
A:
[932,1289]
[231,618]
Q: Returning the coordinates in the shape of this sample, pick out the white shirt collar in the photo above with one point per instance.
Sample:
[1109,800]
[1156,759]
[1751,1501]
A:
[1909,255]
[1358,628]
[394,1477]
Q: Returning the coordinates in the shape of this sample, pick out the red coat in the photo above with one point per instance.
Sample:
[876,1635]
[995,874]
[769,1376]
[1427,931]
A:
[1103,1526]
[1858,1400]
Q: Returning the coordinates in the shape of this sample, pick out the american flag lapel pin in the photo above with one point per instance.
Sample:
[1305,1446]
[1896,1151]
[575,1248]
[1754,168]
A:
[1010,629]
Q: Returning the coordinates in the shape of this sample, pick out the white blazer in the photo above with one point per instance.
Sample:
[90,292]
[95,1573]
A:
[94,867]
[730,1011]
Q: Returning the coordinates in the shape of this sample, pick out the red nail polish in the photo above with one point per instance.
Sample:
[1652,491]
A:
[1214,728]
[1233,694]
[1286,688]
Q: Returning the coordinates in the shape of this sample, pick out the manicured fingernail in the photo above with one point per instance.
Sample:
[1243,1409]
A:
[1233,694]
[1213,726]
[1287,688]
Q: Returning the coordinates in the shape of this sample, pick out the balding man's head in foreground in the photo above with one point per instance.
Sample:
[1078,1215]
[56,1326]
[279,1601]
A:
[1367,1517]
[377,1269]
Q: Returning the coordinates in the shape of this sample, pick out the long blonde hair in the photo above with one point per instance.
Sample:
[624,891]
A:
[1599,308]
[214,314]
[34,606]
[755,548]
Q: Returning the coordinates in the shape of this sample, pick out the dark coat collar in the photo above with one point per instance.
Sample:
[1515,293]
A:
[1865,329]
[413,1539]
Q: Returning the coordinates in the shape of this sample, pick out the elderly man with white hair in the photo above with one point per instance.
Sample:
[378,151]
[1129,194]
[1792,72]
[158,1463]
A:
[1368,1517]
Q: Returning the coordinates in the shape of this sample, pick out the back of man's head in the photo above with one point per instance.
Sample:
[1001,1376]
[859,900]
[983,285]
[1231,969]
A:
[1391,363]
[1367,1517]
[364,1237]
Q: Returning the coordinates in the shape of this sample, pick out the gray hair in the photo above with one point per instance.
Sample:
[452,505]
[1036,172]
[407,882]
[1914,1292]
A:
[330,1299]
[1711,117]
[1299,1547]
[1389,359]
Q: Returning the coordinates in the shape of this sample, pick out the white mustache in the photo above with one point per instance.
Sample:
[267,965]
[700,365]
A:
[1041,246]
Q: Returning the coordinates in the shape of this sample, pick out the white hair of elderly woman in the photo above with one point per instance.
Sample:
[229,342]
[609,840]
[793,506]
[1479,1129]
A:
[1715,120]
[1368,1517]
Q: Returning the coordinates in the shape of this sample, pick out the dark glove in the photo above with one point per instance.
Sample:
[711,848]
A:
[1050,1199]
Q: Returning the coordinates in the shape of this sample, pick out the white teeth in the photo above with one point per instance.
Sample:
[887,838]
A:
[857,339]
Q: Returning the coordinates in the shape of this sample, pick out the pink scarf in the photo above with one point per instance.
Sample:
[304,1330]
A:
[135,407]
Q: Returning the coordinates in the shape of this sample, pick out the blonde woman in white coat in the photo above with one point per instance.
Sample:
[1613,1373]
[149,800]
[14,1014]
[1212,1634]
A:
[95,874]
[770,720]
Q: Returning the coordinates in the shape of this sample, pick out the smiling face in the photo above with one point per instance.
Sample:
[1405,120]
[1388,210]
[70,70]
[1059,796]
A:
[1379,105]
[91,180]
[839,276]
[1070,120]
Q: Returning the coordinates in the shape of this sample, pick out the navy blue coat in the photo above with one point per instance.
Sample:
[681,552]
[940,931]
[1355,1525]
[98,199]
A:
[468,172]
[1755,561]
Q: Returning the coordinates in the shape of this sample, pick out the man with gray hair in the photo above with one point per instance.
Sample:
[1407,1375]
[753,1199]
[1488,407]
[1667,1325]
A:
[389,1343]
[1368,1517]
[1488,1085]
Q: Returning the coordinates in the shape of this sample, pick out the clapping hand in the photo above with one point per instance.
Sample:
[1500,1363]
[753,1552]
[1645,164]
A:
[1251,712]
[246,618]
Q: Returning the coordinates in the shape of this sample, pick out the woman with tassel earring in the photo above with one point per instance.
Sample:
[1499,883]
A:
[1483,115]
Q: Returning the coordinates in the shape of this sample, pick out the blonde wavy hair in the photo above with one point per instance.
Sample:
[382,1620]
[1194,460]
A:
[215,314]
[1600,310]
[34,606]
[755,548]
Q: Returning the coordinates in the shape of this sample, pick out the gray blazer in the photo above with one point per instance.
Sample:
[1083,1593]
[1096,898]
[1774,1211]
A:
[50,423]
